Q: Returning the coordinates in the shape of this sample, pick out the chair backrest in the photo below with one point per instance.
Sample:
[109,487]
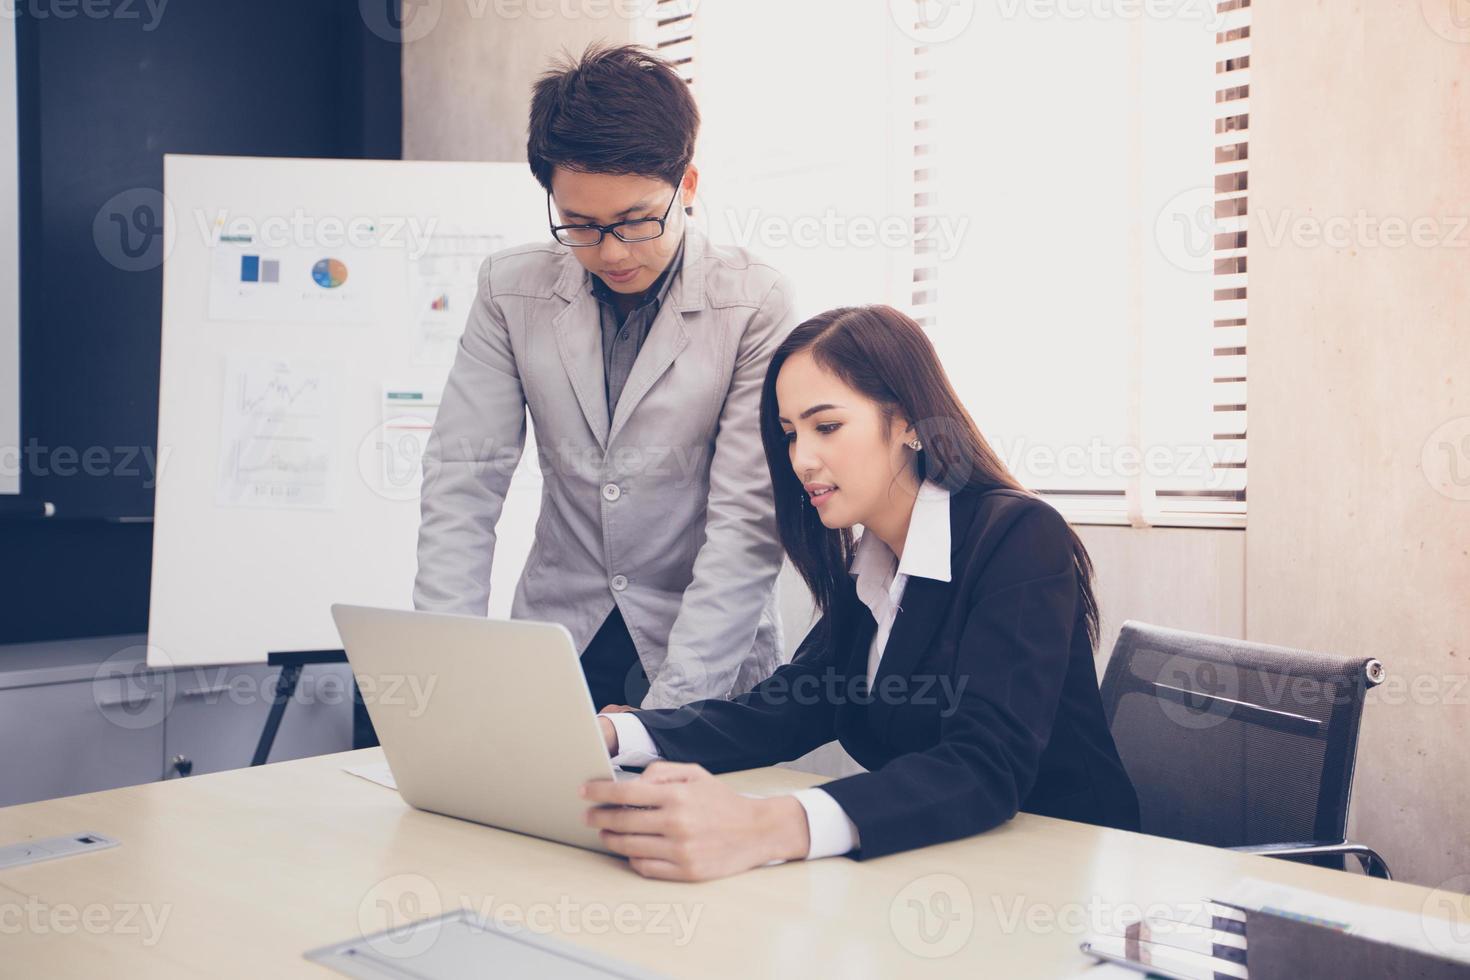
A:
[1233,743]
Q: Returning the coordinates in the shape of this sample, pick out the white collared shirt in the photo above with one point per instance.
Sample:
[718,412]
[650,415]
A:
[881,576]
[881,579]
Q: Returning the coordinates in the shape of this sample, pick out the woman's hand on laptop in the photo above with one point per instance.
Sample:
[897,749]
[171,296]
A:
[677,821]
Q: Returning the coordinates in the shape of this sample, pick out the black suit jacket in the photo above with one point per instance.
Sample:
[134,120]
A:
[985,701]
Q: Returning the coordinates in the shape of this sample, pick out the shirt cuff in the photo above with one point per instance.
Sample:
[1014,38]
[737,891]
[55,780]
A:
[831,831]
[635,745]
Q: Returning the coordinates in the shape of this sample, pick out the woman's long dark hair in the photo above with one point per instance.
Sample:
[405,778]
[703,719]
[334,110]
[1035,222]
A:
[886,356]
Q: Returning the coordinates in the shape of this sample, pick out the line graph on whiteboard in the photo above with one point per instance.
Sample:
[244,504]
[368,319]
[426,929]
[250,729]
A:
[277,433]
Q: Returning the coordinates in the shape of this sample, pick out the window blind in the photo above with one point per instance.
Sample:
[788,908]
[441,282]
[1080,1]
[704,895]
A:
[1039,163]
[1229,266]
[1173,381]
[673,34]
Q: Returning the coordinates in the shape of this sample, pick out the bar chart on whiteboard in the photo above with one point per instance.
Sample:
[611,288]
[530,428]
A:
[442,285]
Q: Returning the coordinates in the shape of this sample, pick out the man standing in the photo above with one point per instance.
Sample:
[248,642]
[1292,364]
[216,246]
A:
[639,349]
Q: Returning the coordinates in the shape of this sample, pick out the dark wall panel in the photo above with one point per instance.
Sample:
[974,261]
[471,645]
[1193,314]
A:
[102,98]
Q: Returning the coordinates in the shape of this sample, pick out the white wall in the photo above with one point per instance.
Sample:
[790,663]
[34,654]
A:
[467,82]
[1359,538]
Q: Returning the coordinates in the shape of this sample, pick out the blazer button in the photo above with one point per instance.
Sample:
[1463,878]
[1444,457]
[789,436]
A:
[611,492]
[619,582]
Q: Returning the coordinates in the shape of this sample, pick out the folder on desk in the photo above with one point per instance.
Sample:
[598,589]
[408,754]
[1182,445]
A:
[1205,943]
[1285,933]
[1288,948]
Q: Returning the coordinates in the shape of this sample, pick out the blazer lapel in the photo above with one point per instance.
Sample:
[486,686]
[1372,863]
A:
[666,338]
[579,341]
[924,605]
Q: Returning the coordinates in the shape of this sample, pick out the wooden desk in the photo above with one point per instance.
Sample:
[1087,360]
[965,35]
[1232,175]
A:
[248,869]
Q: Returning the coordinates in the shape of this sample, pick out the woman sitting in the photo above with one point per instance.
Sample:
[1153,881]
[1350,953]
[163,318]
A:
[954,653]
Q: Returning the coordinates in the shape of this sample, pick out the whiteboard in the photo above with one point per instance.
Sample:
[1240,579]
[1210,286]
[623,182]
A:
[310,309]
[9,264]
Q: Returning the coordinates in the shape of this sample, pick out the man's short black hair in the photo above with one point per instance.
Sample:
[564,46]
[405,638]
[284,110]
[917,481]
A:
[619,110]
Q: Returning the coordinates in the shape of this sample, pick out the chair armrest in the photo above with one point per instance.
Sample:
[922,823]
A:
[1373,864]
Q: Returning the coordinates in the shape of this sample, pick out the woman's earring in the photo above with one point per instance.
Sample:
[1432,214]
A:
[916,445]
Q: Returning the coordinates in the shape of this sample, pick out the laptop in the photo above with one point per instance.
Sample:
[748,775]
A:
[481,719]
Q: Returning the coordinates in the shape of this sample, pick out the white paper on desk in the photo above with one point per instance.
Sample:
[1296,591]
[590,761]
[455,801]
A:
[1437,932]
[374,772]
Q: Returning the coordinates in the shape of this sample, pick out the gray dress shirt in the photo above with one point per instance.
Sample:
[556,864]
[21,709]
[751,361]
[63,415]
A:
[622,337]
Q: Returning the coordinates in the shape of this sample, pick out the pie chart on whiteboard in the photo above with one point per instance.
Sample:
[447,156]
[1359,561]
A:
[329,273]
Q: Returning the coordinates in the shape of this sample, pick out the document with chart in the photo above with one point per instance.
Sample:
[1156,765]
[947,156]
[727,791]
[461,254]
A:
[278,433]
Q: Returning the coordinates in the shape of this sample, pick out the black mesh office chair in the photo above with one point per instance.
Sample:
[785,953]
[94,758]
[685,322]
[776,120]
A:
[1240,745]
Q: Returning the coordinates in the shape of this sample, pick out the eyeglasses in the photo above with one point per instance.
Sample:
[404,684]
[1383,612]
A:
[637,230]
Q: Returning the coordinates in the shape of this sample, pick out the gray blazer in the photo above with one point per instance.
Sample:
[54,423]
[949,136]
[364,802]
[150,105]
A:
[664,509]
